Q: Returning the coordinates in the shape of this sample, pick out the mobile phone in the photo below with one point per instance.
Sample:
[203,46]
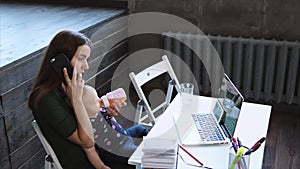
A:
[60,62]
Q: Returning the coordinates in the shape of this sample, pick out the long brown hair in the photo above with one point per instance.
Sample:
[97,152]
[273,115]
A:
[65,42]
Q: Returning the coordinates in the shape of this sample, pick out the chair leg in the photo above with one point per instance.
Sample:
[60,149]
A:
[151,117]
[169,93]
[48,162]
[48,165]
[139,110]
[138,117]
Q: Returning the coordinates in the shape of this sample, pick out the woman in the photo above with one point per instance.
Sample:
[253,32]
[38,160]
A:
[58,108]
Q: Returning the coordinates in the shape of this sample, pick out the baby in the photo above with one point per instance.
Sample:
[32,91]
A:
[108,133]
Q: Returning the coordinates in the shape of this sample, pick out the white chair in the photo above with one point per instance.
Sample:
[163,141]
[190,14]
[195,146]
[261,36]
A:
[146,75]
[50,158]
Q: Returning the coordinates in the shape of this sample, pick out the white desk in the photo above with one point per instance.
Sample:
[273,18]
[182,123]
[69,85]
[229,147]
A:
[252,125]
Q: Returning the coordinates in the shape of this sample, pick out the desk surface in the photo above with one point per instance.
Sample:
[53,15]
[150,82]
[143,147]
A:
[252,125]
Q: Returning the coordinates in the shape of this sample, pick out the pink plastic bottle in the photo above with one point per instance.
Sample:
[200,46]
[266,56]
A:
[116,95]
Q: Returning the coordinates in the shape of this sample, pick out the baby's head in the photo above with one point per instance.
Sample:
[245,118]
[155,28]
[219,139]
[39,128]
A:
[90,100]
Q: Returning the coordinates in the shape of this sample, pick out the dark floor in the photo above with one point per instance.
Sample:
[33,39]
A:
[282,149]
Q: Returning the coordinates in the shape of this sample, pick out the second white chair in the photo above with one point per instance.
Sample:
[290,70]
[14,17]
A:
[146,75]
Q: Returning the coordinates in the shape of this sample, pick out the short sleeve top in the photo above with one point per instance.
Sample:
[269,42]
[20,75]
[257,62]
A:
[57,121]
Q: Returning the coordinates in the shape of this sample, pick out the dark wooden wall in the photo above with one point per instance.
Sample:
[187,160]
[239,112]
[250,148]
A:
[19,144]
[259,19]
[91,3]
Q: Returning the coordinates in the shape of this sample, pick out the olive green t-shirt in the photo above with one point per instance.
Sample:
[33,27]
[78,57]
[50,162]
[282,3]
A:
[57,121]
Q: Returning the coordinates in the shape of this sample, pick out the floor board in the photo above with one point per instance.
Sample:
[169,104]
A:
[282,145]
[26,28]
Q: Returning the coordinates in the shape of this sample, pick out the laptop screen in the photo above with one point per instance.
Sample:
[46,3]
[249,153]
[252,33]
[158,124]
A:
[218,110]
[231,101]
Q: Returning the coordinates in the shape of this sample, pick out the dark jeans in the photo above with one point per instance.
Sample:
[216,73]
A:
[112,160]
[137,131]
[115,161]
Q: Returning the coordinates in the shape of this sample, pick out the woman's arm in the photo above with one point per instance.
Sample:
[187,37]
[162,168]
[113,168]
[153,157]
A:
[83,135]
[94,158]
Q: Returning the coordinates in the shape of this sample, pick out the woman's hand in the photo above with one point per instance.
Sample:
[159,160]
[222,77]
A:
[105,167]
[83,135]
[74,88]
[114,109]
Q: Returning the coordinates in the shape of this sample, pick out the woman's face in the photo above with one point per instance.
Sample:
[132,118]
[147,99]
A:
[80,59]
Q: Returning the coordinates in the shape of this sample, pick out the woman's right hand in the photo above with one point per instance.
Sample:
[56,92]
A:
[105,167]
[74,88]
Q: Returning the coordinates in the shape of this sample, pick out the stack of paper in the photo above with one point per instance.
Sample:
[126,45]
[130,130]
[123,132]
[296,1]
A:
[159,153]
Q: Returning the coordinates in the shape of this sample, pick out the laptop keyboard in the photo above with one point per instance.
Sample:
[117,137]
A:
[207,127]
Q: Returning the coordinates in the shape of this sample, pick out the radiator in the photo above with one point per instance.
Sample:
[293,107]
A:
[263,70]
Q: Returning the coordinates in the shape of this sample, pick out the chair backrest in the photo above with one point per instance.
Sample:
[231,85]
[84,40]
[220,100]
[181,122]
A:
[146,75]
[46,145]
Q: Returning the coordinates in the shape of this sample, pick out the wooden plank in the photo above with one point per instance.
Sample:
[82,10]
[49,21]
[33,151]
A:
[16,96]
[271,141]
[114,55]
[3,140]
[34,23]
[5,163]
[104,29]
[109,64]
[282,138]
[4,152]
[1,108]
[3,144]
[104,4]
[101,48]
[2,127]
[21,135]
[102,61]
[4,148]
[19,72]
[17,117]
[48,16]
[106,43]
[36,161]
[24,153]
[105,77]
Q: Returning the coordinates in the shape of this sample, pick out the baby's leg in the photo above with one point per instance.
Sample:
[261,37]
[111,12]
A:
[137,131]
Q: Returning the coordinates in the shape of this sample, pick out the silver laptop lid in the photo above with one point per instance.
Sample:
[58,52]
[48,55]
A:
[231,101]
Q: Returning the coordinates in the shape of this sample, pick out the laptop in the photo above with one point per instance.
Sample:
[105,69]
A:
[218,125]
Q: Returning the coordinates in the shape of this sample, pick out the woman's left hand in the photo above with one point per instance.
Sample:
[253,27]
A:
[114,109]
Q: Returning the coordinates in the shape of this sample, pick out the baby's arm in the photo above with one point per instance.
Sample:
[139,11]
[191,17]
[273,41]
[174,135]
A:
[94,158]
[106,115]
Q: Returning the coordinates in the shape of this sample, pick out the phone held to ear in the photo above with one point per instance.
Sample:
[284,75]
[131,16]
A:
[60,62]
